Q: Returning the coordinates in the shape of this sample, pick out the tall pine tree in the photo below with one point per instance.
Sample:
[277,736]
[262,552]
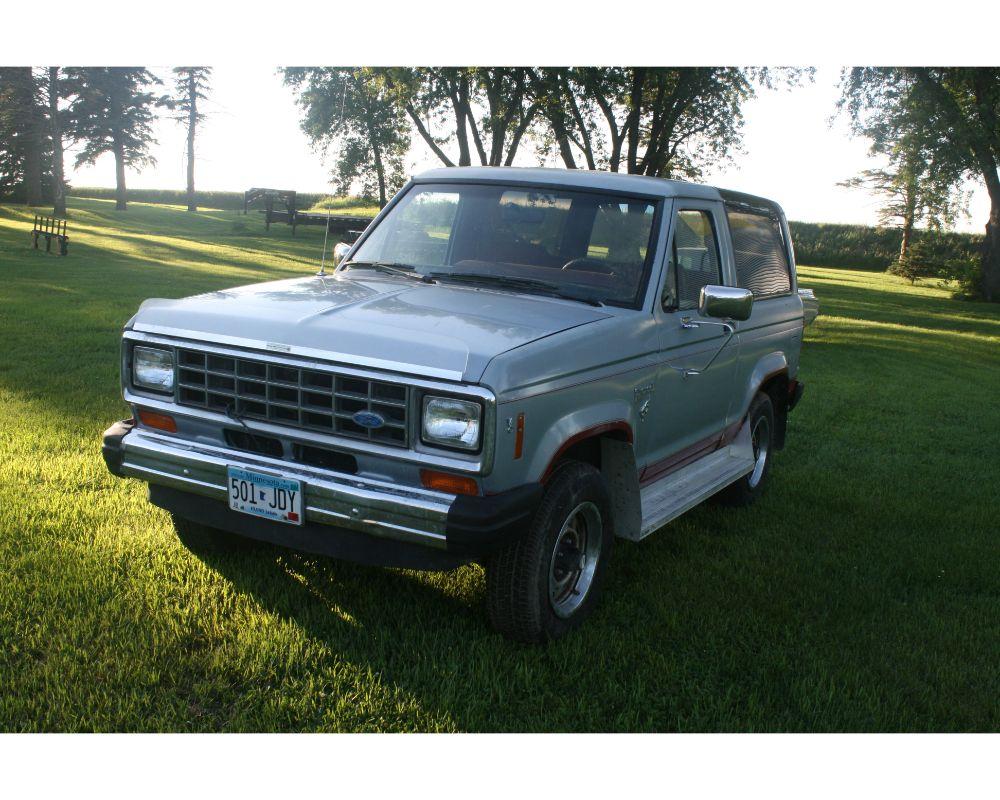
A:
[190,86]
[112,112]
[24,140]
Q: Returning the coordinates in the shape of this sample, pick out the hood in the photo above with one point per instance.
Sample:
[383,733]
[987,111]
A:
[433,330]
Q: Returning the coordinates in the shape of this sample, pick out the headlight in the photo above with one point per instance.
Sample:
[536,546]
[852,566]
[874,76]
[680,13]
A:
[153,369]
[448,422]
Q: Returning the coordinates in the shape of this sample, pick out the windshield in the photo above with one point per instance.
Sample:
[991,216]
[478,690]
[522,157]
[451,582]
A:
[575,244]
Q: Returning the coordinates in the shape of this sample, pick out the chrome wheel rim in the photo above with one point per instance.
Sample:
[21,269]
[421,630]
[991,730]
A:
[760,441]
[574,559]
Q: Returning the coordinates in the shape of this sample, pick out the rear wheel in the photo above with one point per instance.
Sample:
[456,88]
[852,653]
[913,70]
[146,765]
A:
[748,488]
[547,582]
[202,540]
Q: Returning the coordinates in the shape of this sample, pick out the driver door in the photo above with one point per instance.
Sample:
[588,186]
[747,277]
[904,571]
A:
[689,410]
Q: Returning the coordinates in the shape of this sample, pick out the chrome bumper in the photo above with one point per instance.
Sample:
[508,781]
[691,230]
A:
[381,509]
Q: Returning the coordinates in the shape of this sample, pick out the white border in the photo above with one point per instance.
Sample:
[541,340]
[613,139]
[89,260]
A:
[539,32]
[838,767]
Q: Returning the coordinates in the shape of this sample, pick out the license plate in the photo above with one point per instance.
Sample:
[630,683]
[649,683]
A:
[267,496]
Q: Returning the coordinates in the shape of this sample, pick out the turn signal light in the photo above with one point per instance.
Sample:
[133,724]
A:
[452,484]
[519,437]
[153,419]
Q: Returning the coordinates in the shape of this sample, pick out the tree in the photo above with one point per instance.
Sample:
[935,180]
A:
[23,135]
[112,112]
[53,88]
[954,114]
[442,103]
[190,86]
[667,122]
[11,162]
[911,193]
[353,107]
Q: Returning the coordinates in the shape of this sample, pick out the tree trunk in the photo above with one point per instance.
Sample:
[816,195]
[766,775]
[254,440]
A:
[119,151]
[461,133]
[990,269]
[904,247]
[515,140]
[426,136]
[558,123]
[377,158]
[192,124]
[588,149]
[632,121]
[55,126]
[380,172]
[32,140]
[33,169]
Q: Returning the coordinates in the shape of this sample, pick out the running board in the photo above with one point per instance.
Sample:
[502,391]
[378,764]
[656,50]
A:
[672,495]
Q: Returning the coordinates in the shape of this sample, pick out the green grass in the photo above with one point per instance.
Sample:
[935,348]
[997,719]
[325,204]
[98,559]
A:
[861,593]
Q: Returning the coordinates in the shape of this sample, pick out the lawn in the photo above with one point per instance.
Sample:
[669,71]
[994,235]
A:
[862,593]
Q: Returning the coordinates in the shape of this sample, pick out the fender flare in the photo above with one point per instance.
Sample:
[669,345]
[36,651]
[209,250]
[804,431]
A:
[619,425]
[767,367]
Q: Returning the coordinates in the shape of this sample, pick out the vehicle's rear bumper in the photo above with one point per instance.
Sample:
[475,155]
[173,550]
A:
[345,515]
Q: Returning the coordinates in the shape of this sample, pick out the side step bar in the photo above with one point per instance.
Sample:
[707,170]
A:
[682,490]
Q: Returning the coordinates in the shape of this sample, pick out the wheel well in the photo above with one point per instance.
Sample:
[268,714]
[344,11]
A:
[776,387]
[586,450]
[609,450]
[589,449]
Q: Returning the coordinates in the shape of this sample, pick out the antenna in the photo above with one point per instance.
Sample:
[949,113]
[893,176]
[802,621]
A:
[329,205]
[326,235]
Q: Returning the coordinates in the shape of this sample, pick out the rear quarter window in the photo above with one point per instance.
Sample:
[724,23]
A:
[760,254]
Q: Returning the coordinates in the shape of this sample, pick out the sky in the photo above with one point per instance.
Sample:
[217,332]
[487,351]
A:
[792,152]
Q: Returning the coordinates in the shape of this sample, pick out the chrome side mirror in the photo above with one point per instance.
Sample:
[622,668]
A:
[340,251]
[725,302]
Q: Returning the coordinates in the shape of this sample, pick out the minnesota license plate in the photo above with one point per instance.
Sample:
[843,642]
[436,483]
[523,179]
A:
[265,496]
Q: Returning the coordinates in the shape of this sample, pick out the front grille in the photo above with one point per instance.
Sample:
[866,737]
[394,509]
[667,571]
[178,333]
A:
[284,395]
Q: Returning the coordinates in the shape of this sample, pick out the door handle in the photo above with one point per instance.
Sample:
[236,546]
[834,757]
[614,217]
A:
[688,324]
[728,326]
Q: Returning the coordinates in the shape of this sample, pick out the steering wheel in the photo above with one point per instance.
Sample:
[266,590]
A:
[585,264]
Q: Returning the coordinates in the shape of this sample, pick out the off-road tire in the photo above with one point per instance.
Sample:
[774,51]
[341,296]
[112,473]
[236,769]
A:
[748,488]
[203,540]
[517,577]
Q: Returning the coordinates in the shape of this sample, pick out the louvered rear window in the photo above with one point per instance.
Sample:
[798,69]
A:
[761,259]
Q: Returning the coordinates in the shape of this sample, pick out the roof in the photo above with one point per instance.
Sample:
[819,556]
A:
[570,178]
[592,179]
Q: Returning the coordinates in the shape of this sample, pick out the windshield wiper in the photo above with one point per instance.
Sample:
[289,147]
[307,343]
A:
[388,267]
[526,284]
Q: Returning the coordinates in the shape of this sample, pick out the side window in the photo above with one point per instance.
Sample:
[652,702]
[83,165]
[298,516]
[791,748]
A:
[694,260]
[760,255]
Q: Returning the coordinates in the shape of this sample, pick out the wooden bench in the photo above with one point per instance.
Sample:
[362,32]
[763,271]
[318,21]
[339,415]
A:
[51,228]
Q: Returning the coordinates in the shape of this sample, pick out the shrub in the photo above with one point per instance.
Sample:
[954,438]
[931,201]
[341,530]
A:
[914,266]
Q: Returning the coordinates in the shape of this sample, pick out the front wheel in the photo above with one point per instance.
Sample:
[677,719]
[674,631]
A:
[547,582]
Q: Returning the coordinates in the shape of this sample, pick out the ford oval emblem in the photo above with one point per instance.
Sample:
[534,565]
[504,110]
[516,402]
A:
[368,419]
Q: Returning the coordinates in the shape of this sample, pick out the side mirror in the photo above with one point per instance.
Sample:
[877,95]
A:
[725,302]
[340,251]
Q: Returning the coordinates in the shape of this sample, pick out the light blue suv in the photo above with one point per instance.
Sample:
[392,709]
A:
[509,366]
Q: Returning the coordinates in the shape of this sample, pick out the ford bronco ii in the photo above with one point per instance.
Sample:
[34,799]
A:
[509,366]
